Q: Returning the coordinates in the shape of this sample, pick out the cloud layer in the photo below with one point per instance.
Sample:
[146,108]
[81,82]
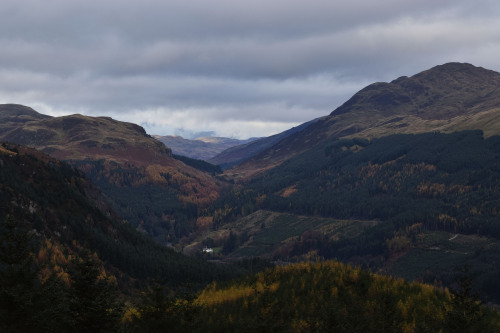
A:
[235,68]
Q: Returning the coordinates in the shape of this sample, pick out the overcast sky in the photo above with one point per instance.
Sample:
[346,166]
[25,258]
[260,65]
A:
[231,68]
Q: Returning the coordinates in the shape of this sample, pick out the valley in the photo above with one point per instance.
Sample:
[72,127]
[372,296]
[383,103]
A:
[203,148]
[400,182]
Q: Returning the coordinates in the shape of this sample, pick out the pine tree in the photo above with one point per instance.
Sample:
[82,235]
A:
[465,313]
[161,313]
[93,301]
[18,277]
[52,307]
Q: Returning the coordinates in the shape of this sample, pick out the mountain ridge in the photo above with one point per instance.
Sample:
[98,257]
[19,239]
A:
[14,115]
[408,168]
[79,136]
[450,85]
[445,98]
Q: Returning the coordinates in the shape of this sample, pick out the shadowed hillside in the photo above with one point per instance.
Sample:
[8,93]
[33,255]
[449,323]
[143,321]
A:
[240,153]
[156,193]
[67,217]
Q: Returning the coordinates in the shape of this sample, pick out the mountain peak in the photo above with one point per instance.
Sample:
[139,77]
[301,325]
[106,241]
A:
[19,113]
[14,115]
[458,67]
[442,92]
[459,74]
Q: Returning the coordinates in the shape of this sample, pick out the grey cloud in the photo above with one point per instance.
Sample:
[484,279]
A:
[280,62]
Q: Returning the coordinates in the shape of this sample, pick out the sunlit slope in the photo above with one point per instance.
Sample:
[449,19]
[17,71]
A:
[330,296]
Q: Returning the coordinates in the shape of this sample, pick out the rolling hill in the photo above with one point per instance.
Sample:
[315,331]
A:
[331,297]
[79,137]
[154,192]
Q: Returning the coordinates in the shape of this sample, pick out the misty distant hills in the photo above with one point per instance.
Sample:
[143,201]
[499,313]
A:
[203,148]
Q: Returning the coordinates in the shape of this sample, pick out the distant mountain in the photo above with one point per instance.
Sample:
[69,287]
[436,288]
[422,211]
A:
[203,148]
[446,98]
[156,193]
[238,154]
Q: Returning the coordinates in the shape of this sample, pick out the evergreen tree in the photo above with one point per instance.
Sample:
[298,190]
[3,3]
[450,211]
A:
[160,313]
[18,277]
[94,301]
[153,310]
[52,307]
[465,313]
[230,244]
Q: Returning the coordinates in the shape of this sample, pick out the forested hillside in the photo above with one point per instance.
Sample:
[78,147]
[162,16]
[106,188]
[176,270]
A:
[66,216]
[322,297]
[155,192]
[409,186]
[67,262]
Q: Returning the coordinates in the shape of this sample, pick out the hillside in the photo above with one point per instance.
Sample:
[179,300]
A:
[12,116]
[80,137]
[322,297]
[411,189]
[156,193]
[238,154]
[67,262]
[67,216]
[203,148]
[446,98]
[380,203]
